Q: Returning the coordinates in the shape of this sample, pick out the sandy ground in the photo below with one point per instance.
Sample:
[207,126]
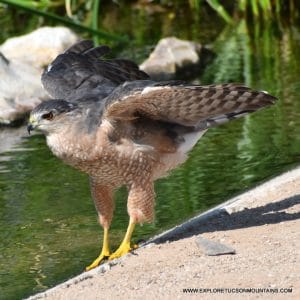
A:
[262,225]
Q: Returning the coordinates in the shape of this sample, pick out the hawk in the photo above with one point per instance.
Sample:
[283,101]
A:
[109,120]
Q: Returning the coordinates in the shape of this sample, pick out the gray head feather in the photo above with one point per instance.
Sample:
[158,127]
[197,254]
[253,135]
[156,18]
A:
[57,106]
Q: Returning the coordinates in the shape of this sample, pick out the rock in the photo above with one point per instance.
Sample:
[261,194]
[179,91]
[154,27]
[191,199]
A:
[39,47]
[212,248]
[20,89]
[173,57]
[21,63]
[9,137]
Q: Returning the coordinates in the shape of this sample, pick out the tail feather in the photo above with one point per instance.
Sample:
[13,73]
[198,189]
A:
[251,102]
[221,119]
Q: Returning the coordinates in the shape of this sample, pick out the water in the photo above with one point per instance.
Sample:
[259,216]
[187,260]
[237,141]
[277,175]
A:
[48,225]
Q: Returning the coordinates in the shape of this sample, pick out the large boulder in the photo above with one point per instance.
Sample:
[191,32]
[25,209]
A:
[175,58]
[20,89]
[39,47]
[21,63]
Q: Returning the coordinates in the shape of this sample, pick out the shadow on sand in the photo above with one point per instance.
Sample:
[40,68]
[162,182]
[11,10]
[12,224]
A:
[220,220]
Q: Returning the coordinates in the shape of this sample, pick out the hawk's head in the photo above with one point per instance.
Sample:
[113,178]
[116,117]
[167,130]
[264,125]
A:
[50,115]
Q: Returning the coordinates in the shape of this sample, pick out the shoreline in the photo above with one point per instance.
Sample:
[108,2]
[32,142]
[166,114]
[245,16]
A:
[255,223]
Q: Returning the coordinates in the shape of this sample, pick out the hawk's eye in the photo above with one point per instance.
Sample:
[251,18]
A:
[49,116]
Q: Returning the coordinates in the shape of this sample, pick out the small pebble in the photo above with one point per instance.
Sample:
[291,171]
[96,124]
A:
[212,248]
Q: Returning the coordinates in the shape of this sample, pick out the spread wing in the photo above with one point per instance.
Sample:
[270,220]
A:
[79,73]
[197,106]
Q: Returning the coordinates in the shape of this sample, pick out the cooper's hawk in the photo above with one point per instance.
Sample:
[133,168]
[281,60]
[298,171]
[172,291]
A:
[113,123]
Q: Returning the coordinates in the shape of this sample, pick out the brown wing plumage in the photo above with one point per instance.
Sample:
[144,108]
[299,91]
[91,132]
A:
[187,105]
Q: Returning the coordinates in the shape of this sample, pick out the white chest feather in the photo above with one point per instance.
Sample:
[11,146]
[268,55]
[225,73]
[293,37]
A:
[65,147]
[173,160]
[190,140]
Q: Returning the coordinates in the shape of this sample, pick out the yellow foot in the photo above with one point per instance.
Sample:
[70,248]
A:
[122,250]
[125,245]
[97,261]
[105,253]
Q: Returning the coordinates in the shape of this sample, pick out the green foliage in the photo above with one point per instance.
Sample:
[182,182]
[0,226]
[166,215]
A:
[95,10]
[266,9]
[216,5]
[44,8]
[84,15]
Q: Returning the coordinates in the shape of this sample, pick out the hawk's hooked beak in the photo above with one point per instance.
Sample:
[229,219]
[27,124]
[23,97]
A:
[29,127]
[31,124]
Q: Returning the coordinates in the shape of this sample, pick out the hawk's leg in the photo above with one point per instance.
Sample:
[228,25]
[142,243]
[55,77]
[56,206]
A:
[140,209]
[104,254]
[103,199]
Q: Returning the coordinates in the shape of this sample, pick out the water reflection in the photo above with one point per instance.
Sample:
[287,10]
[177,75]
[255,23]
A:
[48,224]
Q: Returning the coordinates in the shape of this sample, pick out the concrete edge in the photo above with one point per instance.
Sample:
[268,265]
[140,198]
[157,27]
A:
[229,206]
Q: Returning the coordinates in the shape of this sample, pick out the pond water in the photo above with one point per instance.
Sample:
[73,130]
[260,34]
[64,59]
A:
[48,225]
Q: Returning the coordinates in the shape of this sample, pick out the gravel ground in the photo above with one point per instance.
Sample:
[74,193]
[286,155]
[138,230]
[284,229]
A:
[261,225]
